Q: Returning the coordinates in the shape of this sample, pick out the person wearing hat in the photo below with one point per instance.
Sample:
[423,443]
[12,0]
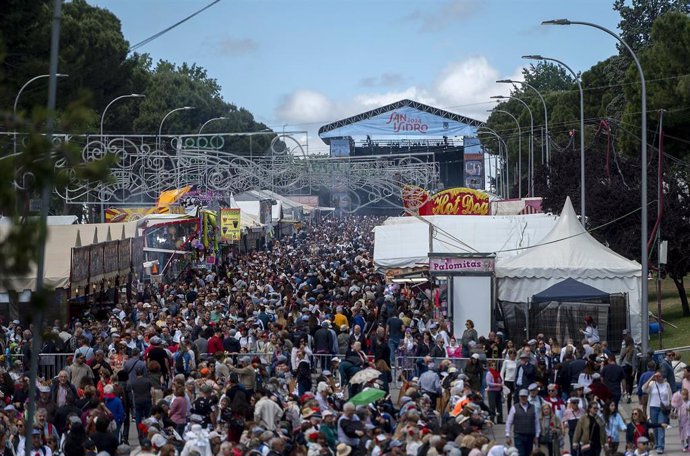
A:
[525,373]
[571,416]
[329,429]
[600,390]
[523,421]
[323,342]
[641,447]
[78,370]
[343,450]
[157,353]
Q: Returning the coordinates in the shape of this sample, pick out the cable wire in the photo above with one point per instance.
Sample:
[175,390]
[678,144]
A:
[163,32]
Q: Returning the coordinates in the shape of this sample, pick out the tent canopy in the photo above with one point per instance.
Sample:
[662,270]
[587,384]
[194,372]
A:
[569,251]
[570,290]
[403,242]
[58,259]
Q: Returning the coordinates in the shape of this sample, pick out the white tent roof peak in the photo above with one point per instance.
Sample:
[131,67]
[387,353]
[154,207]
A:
[568,250]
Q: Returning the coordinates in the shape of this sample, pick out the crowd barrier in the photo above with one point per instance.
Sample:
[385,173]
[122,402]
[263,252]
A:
[402,367]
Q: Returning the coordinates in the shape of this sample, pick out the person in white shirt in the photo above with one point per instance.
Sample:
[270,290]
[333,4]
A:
[659,392]
[508,369]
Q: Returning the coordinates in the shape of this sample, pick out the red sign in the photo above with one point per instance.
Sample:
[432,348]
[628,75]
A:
[453,201]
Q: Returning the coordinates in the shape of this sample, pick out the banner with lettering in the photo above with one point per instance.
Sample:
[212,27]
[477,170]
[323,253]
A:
[403,121]
[453,201]
[229,225]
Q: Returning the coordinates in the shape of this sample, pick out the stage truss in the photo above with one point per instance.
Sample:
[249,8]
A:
[149,165]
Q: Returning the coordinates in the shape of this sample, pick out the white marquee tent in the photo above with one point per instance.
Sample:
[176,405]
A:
[403,242]
[568,251]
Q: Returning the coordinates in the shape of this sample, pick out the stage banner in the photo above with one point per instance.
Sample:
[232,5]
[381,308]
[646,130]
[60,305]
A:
[453,201]
[403,121]
[111,260]
[96,254]
[229,225]
[124,256]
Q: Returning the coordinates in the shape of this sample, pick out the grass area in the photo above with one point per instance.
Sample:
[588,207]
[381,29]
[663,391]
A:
[672,312]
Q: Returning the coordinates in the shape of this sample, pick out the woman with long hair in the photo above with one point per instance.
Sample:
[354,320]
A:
[508,370]
[591,333]
[551,431]
[639,426]
[627,360]
[614,424]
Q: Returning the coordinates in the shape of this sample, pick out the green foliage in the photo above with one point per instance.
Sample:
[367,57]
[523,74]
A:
[638,16]
[547,77]
[668,87]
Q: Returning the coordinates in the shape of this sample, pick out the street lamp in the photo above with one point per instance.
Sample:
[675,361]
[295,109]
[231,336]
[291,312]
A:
[506,178]
[211,120]
[582,129]
[546,113]
[16,99]
[160,127]
[530,169]
[131,95]
[519,150]
[644,304]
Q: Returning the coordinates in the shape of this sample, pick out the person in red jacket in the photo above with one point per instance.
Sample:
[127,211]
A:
[598,388]
[215,343]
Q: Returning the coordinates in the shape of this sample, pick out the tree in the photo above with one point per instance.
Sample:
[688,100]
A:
[665,64]
[638,18]
[674,229]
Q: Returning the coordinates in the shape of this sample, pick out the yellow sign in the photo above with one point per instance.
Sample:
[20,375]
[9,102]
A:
[229,224]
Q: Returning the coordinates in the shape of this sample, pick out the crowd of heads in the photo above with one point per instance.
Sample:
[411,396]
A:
[276,351]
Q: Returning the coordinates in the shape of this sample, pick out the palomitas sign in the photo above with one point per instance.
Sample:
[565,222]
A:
[455,265]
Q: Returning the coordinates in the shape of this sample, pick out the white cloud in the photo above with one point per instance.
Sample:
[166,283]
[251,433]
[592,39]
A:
[449,13]
[305,106]
[384,80]
[233,46]
[463,87]
[469,84]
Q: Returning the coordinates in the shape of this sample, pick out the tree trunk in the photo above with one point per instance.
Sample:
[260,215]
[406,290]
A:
[683,296]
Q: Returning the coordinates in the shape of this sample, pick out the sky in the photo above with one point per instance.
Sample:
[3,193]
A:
[300,64]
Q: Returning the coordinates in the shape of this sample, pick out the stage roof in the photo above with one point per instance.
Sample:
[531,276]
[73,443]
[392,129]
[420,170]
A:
[402,118]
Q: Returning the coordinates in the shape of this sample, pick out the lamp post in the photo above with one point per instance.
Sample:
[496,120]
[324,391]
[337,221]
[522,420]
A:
[546,113]
[16,101]
[530,169]
[644,303]
[131,95]
[582,129]
[160,127]
[506,179]
[211,120]
[519,150]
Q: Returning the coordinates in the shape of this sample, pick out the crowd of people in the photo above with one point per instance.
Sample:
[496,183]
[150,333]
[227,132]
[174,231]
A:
[304,349]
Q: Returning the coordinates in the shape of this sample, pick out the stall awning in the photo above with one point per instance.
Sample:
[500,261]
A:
[570,290]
